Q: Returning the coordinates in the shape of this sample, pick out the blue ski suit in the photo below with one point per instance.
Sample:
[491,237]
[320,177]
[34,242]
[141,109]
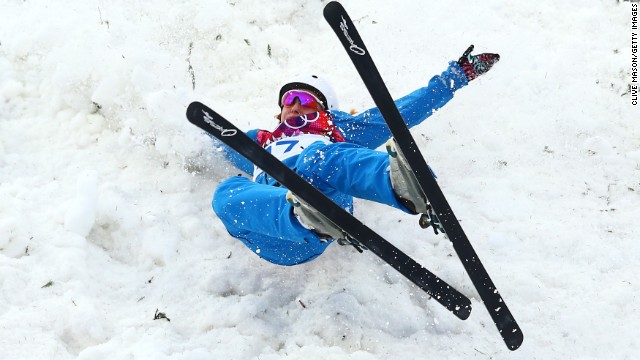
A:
[256,211]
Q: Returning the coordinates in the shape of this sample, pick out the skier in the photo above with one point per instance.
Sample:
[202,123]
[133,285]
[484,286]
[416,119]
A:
[335,152]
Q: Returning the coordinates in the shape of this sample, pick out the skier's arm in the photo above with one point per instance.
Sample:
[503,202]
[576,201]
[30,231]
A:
[236,159]
[369,129]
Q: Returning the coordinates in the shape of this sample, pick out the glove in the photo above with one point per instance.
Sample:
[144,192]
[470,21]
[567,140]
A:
[476,65]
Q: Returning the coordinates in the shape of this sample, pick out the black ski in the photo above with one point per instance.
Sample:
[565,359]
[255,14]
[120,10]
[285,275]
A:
[342,25]
[211,122]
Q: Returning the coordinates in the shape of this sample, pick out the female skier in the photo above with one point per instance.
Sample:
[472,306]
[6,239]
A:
[334,151]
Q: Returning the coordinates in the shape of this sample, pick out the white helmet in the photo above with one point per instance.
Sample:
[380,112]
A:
[317,85]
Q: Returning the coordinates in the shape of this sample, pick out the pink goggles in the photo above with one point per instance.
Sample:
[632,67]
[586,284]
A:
[306,98]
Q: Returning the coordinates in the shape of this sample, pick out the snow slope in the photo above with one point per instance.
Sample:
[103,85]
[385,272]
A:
[105,188]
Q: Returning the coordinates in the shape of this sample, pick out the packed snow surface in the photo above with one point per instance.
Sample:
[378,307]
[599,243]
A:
[109,248]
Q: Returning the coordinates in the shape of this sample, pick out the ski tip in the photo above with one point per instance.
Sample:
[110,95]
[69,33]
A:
[331,8]
[193,107]
[194,111]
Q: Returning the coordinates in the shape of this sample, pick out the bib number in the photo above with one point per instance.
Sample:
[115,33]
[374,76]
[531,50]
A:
[288,147]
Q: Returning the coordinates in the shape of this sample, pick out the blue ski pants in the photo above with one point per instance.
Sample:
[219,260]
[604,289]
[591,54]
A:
[258,214]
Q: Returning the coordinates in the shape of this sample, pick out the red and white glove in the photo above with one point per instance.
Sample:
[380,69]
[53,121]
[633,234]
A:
[476,65]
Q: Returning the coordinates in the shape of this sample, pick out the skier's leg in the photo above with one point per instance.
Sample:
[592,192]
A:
[260,216]
[350,169]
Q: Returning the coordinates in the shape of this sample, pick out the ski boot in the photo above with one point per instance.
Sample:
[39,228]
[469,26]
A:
[313,220]
[408,190]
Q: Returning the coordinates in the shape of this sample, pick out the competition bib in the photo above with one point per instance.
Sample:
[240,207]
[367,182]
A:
[290,146]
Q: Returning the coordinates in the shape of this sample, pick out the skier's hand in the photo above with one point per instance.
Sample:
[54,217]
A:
[476,65]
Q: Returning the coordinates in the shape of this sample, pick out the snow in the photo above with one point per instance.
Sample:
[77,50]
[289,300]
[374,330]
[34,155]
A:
[105,188]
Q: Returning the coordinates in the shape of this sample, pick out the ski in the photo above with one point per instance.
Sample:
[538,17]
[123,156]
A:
[211,122]
[342,25]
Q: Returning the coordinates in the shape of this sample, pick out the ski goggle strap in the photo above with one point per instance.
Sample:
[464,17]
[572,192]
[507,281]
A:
[306,98]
